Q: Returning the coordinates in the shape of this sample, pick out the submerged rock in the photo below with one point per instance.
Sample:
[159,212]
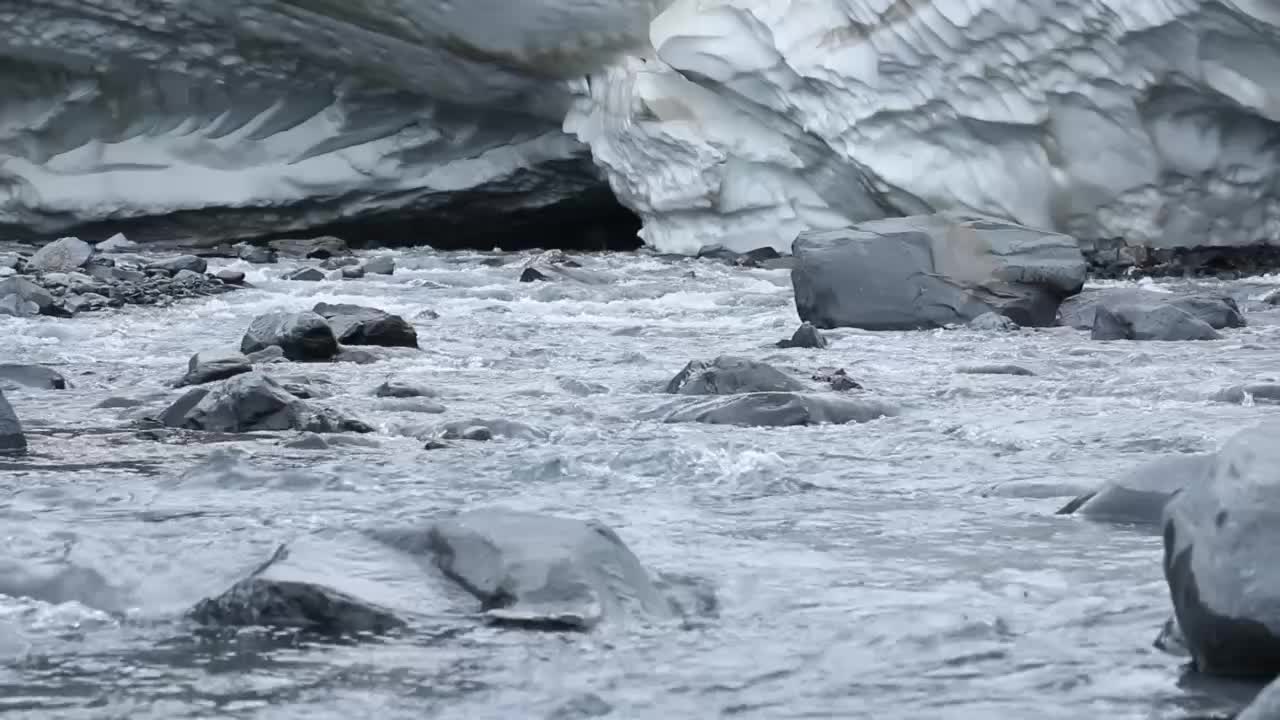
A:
[62,255]
[257,254]
[38,377]
[175,265]
[301,336]
[806,336]
[305,275]
[543,571]
[320,248]
[1220,533]
[781,409]
[1149,322]
[253,402]
[477,428]
[360,325]
[12,441]
[837,378]
[383,265]
[212,365]
[401,389]
[1140,495]
[1256,392]
[929,271]
[728,375]
[994,369]
[1217,311]
[993,322]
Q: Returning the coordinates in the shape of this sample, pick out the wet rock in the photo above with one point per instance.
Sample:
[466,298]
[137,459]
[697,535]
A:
[401,389]
[806,336]
[76,304]
[781,409]
[352,273]
[62,255]
[116,243]
[1171,640]
[257,254]
[267,356]
[213,365]
[335,584]
[1220,533]
[1218,311]
[119,403]
[728,375]
[532,275]
[175,265]
[12,261]
[1266,706]
[1140,496]
[12,441]
[175,415]
[308,441]
[338,263]
[581,388]
[414,405]
[1149,323]
[320,248]
[254,402]
[15,306]
[303,336]
[751,258]
[38,377]
[383,265]
[496,428]
[1254,392]
[436,445]
[305,275]
[27,291]
[837,378]
[993,322]
[355,356]
[231,277]
[930,271]
[995,369]
[360,325]
[542,571]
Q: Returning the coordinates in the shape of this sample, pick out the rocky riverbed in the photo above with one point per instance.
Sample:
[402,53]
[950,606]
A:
[602,493]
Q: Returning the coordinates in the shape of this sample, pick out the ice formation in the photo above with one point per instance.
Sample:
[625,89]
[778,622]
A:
[740,122]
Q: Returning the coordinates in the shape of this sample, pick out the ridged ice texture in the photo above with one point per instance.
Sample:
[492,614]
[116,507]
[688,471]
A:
[287,113]
[1151,120]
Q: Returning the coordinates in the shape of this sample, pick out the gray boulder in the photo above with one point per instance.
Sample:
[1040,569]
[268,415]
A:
[1149,323]
[728,375]
[12,441]
[1258,392]
[301,336]
[383,265]
[1217,311]
[213,365]
[360,325]
[28,292]
[806,336]
[352,273]
[38,377]
[544,572]
[1220,533]
[1266,706]
[929,271]
[230,277]
[1139,497]
[62,255]
[175,265]
[253,402]
[115,244]
[320,248]
[781,409]
[305,275]
[256,254]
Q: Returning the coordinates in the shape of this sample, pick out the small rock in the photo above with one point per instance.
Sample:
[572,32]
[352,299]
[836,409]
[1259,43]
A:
[352,273]
[436,445]
[231,277]
[188,277]
[532,275]
[175,265]
[119,403]
[308,441]
[12,441]
[807,336]
[12,261]
[383,265]
[32,376]
[257,254]
[478,433]
[1216,310]
[398,389]
[62,255]
[210,366]
[727,375]
[355,355]
[496,428]
[1140,495]
[993,370]
[301,336]
[360,325]
[781,409]
[254,402]
[116,243]
[993,322]
[1149,322]
[837,378]
[305,275]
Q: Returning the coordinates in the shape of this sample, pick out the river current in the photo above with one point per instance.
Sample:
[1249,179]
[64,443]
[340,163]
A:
[910,567]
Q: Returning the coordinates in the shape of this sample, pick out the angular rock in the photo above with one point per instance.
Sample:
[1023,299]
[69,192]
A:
[544,572]
[115,244]
[257,254]
[1139,497]
[38,377]
[12,441]
[993,322]
[806,336]
[1220,535]
[1218,311]
[728,375]
[993,370]
[532,275]
[360,325]
[320,248]
[305,275]
[781,409]
[29,292]
[188,277]
[383,265]
[929,271]
[62,255]
[751,258]
[213,365]
[1256,392]
[174,265]
[254,402]
[1149,323]
[303,336]
[837,378]
[400,389]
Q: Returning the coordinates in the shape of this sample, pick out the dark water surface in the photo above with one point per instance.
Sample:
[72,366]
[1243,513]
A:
[911,567]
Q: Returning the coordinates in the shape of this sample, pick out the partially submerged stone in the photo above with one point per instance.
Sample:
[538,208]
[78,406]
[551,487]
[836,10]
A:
[212,365]
[1140,495]
[360,325]
[781,409]
[727,375]
[253,402]
[1148,323]
[12,440]
[301,336]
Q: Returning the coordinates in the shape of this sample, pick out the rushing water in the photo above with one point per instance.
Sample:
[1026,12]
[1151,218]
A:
[912,567]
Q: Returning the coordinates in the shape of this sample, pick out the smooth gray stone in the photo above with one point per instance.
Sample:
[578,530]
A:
[175,265]
[728,375]
[12,440]
[993,322]
[62,255]
[384,265]
[360,325]
[994,369]
[931,271]
[231,277]
[806,336]
[1217,311]
[1140,495]
[1260,392]
[1220,537]
[778,409]
[212,365]
[254,402]
[456,430]
[256,254]
[38,377]
[301,336]
[1149,323]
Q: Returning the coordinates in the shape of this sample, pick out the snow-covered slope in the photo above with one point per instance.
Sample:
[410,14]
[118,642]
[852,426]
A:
[1151,120]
